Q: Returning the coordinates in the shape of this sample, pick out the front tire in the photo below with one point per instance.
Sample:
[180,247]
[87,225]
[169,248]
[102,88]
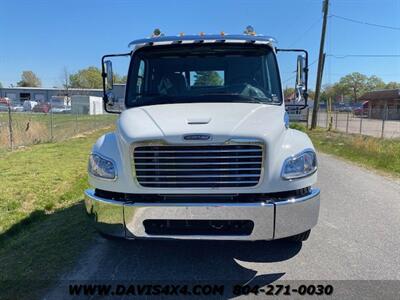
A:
[301,237]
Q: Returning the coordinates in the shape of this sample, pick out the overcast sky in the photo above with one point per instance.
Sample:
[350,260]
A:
[46,35]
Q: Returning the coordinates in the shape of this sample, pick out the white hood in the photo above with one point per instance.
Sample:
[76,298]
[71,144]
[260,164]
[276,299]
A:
[223,121]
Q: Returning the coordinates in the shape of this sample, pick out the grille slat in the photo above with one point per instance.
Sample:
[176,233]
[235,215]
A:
[195,163]
[196,176]
[197,157]
[212,166]
[202,182]
[197,151]
[183,169]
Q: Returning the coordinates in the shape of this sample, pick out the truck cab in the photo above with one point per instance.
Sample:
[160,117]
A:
[203,148]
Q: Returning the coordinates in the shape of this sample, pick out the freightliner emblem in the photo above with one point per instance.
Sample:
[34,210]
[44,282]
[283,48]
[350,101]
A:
[197,137]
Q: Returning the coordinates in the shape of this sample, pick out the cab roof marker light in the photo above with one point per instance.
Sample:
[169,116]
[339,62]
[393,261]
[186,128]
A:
[157,33]
[249,30]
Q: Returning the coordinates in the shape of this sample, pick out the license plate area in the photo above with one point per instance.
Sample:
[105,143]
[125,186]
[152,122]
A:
[162,227]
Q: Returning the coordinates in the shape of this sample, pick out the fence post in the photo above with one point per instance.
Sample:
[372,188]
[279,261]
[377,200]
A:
[384,116]
[361,121]
[10,130]
[76,121]
[347,123]
[94,115]
[327,118]
[51,119]
[336,119]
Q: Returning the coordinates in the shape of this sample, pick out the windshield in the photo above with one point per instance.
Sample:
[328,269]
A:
[207,73]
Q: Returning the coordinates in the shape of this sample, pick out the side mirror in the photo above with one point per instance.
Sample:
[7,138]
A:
[108,74]
[113,95]
[301,78]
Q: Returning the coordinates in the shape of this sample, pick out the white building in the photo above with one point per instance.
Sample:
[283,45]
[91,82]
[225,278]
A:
[88,105]
[43,95]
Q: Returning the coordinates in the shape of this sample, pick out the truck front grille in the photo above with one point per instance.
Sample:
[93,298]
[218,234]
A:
[198,166]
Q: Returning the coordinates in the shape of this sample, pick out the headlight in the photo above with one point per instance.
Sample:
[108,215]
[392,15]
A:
[101,167]
[300,165]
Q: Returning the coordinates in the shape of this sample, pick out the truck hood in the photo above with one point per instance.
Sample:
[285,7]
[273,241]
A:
[223,121]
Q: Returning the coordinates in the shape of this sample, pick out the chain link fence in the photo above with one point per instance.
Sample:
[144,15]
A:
[19,129]
[381,123]
[27,128]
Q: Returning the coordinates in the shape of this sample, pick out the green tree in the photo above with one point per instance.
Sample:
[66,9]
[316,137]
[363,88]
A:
[333,91]
[89,78]
[1,85]
[311,94]
[374,83]
[289,93]
[119,79]
[392,85]
[354,85]
[29,79]
[208,78]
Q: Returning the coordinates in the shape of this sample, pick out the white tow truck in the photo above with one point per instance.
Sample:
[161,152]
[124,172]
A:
[203,148]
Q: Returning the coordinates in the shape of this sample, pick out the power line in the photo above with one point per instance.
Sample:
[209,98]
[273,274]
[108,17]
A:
[313,62]
[305,32]
[288,79]
[365,23]
[341,56]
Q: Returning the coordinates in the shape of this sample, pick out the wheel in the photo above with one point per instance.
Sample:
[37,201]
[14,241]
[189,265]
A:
[301,237]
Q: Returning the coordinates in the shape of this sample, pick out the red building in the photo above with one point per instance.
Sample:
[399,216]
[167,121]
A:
[382,104]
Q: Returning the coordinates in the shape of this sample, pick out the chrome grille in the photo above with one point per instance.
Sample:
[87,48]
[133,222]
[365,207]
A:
[198,166]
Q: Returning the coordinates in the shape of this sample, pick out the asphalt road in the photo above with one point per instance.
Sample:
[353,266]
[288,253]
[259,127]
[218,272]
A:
[357,238]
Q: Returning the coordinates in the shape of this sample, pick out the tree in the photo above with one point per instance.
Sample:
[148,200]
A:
[29,79]
[119,79]
[374,83]
[65,79]
[207,78]
[354,84]
[1,86]
[289,93]
[392,85]
[311,94]
[330,91]
[66,84]
[89,78]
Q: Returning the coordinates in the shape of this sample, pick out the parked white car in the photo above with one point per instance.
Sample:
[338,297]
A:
[204,149]
[61,110]
[17,108]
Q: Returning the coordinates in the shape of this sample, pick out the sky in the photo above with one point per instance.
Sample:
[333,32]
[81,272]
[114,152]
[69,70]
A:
[46,36]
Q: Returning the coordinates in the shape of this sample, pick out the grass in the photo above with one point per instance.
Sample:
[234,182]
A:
[35,128]
[371,152]
[43,226]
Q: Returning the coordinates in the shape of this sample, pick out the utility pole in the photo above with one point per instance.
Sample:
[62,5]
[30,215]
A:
[320,70]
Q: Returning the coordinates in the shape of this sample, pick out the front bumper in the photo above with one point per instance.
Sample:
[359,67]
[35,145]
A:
[272,219]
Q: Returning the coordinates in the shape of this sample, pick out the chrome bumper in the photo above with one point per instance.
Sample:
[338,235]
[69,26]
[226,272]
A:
[272,220]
